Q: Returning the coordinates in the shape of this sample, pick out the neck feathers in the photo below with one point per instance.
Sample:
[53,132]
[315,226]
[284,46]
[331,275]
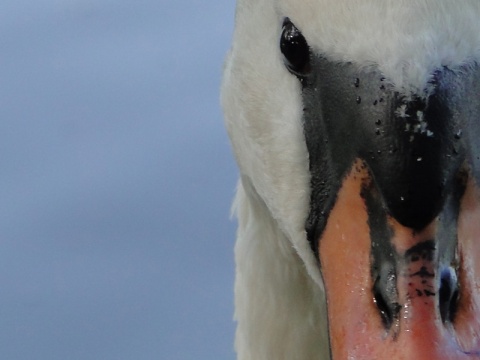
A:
[279,309]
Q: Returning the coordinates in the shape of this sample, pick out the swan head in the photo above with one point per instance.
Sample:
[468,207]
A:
[355,126]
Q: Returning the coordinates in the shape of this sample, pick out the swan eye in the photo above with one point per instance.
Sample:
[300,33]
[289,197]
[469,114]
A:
[295,49]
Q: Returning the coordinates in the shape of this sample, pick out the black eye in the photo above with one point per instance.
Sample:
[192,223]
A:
[295,49]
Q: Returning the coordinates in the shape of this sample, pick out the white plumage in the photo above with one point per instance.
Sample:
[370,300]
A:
[279,298]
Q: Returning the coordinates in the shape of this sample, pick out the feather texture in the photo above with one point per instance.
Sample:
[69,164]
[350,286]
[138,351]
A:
[279,297]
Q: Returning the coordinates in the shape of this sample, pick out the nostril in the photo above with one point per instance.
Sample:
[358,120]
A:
[385,298]
[448,295]
[453,305]
[385,311]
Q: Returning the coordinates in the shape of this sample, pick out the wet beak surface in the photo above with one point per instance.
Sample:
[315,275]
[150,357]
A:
[414,327]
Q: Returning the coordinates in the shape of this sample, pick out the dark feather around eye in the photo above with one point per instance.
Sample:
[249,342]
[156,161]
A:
[295,49]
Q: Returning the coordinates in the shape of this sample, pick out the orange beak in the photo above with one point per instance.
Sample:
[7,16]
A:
[435,310]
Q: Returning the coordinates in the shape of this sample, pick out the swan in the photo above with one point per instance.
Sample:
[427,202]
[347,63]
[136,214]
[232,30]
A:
[355,128]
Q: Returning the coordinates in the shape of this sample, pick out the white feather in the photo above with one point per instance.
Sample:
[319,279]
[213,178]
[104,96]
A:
[279,309]
[279,291]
